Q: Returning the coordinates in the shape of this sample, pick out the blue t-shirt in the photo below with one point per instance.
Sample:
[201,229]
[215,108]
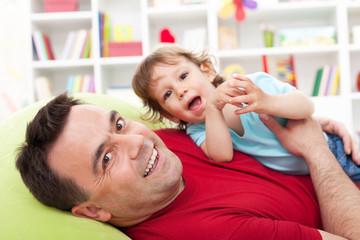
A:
[258,141]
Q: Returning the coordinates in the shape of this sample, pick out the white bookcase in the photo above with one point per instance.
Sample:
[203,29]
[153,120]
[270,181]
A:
[147,21]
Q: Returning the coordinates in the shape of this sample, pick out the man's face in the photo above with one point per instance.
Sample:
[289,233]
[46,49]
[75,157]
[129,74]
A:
[128,171]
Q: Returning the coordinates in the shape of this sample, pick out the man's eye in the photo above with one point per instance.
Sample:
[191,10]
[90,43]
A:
[119,125]
[106,160]
[183,76]
[167,94]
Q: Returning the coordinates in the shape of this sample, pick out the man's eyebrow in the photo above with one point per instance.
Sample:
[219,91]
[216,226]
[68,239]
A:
[100,149]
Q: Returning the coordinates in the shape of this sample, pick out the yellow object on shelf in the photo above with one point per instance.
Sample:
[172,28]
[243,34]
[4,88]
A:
[123,33]
[232,69]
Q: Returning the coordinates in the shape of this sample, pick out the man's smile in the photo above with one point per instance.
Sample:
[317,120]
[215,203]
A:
[152,163]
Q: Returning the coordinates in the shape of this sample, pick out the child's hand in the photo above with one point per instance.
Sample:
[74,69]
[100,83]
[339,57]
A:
[223,95]
[250,94]
[337,128]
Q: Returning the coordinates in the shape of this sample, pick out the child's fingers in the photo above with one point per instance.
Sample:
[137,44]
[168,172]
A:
[243,110]
[239,99]
[240,77]
[239,84]
[355,152]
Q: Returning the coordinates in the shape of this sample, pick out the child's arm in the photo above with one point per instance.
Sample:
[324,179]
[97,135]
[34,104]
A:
[292,105]
[218,144]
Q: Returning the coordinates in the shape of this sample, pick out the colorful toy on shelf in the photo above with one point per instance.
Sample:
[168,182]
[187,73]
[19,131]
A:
[238,6]
[232,69]
[281,67]
[166,36]
[358,82]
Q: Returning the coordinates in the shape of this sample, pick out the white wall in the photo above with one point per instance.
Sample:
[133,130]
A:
[13,63]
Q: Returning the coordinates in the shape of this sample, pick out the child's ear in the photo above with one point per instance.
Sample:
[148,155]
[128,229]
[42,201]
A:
[208,71]
[170,117]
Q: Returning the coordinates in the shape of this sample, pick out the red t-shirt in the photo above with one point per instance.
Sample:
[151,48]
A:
[237,200]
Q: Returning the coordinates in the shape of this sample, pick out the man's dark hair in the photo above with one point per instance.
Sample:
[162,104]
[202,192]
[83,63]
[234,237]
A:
[42,132]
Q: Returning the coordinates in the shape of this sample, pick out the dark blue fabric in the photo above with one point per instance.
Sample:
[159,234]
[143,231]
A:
[336,145]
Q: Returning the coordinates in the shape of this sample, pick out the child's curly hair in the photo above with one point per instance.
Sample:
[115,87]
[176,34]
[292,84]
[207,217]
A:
[169,55]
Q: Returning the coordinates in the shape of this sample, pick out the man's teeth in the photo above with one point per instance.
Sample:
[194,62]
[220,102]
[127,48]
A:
[150,165]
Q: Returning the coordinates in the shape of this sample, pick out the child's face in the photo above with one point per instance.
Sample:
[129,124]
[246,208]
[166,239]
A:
[182,90]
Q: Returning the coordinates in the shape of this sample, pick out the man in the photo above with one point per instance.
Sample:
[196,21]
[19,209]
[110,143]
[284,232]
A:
[93,162]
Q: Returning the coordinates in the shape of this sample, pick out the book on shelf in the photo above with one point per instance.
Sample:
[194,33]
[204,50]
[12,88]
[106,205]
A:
[48,49]
[335,82]
[77,45]
[80,83]
[104,33]
[326,81]
[77,84]
[42,45]
[317,82]
[86,50]
[68,45]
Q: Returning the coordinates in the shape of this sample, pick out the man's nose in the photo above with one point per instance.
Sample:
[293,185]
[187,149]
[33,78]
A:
[131,144]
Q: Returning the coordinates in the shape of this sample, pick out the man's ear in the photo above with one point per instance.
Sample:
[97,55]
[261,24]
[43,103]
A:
[170,117]
[209,72]
[88,210]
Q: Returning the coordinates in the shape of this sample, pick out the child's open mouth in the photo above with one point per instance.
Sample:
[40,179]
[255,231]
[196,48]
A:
[194,104]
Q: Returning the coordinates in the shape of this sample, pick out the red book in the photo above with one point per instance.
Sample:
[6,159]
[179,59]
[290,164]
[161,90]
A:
[264,63]
[60,5]
[48,48]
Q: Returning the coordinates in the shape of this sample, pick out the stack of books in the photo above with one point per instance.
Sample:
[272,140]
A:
[104,25]
[80,83]
[42,46]
[77,45]
[327,81]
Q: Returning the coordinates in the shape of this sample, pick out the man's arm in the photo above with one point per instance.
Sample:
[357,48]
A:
[338,196]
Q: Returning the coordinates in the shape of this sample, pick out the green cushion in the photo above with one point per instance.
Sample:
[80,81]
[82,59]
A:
[22,216]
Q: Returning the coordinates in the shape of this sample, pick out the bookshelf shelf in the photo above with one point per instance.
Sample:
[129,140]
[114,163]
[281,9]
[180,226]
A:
[165,12]
[111,73]
[279,51]
[54,64]
[121,60]
[61,16]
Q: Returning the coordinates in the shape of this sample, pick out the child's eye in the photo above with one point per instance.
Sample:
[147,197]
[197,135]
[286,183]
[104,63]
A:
[106,160]
[167,94]
[183,76]
[119,124]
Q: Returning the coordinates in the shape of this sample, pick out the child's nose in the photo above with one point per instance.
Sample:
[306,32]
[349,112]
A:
[182,92]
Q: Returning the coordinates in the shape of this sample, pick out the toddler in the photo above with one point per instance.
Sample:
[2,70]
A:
[224,115]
